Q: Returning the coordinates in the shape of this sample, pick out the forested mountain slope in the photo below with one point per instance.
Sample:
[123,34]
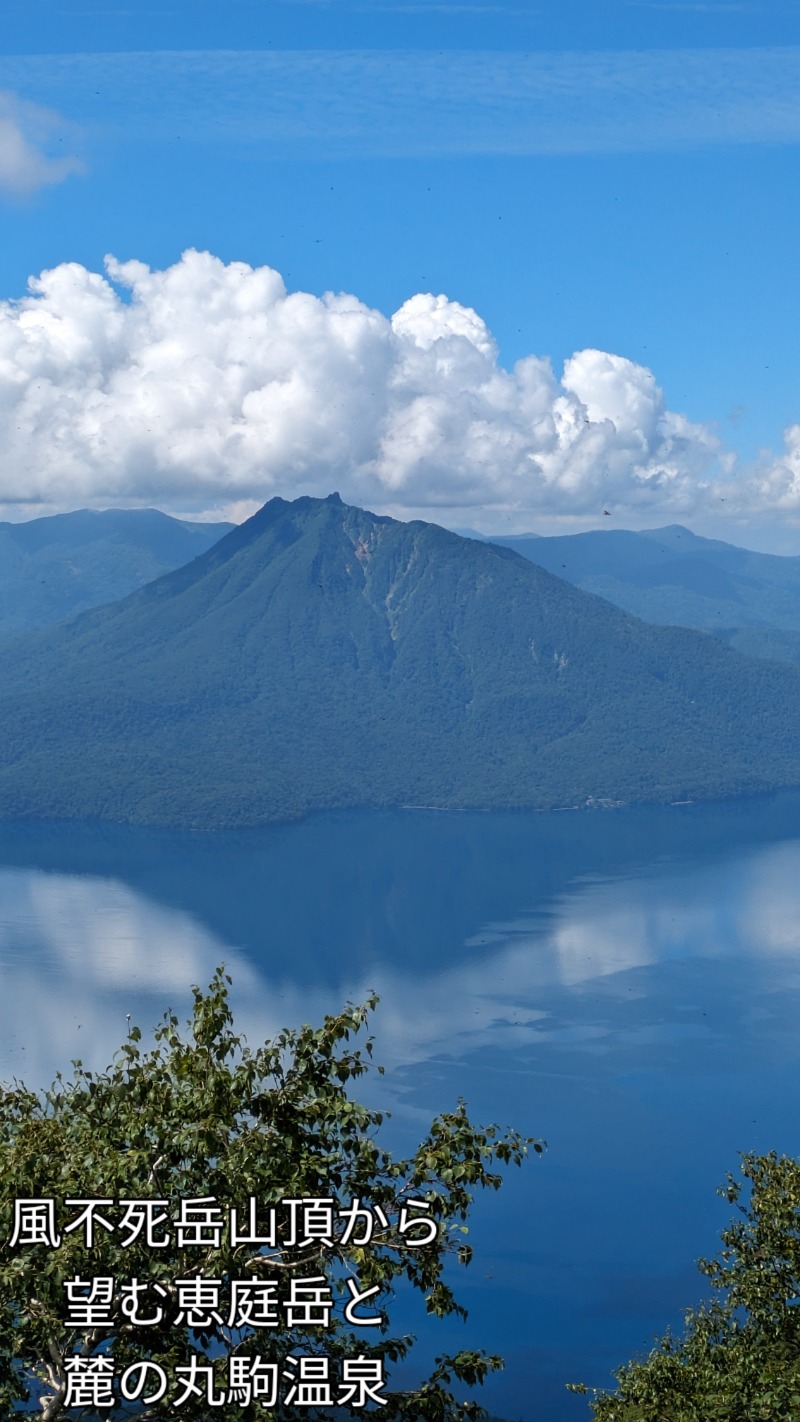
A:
[673,577]
[53,568]
[320,656]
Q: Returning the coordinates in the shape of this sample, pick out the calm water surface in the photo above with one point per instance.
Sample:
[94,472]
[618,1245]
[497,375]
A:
[625,984]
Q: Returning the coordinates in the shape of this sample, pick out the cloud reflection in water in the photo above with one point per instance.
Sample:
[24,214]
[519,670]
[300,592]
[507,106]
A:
[80,952]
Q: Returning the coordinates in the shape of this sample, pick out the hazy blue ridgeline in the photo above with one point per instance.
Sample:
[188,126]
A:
[319,656]
[673,577]
[53,568]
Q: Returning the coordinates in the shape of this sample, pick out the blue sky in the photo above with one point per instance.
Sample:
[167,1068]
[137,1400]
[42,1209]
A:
[618,179]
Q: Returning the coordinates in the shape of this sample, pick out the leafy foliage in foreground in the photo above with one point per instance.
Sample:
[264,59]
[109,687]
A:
[202,1115]
[739,1360]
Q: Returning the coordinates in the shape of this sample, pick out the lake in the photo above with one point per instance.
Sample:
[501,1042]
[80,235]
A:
[625,984]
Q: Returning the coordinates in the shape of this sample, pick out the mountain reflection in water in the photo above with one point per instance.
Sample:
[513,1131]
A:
[624,984]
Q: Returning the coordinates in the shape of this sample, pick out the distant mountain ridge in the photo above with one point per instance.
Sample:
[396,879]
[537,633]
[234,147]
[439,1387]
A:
[320,656]
[56,567]
[671,576]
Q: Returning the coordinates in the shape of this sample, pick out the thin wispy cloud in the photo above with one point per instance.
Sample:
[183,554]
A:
[415,7]
[29,134]
[376,103]
[706,7]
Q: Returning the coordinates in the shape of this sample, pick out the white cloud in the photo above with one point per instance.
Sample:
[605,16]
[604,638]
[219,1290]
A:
[26,130]
[209,385]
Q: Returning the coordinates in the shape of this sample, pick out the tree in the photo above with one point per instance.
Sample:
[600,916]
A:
[210,1139]
[739,1358]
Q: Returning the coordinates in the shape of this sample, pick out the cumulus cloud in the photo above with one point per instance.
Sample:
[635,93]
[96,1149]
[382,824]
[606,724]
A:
[26,130]
[207,384]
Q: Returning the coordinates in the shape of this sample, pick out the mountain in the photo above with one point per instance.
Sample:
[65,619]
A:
[52,568]
[670,576]
[319,656]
